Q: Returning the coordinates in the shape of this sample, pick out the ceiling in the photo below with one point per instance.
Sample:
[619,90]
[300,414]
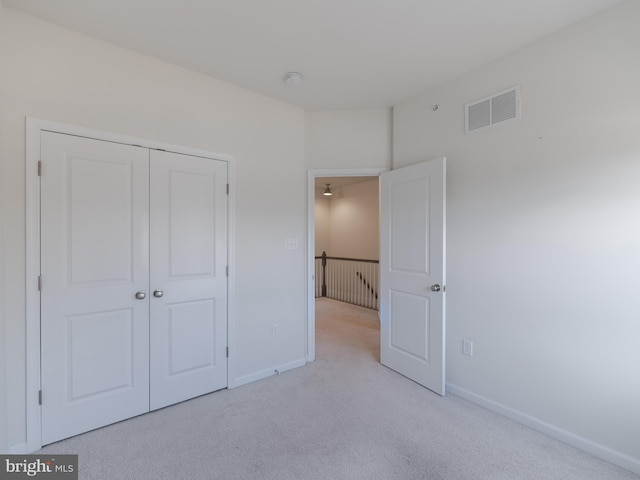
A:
[352,53]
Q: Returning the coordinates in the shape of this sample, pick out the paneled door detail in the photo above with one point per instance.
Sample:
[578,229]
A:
[412,272]
[94,259]
[188,277]
[134,285]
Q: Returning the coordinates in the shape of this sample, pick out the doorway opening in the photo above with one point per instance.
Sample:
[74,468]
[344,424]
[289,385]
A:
[347,239]
[412,287]
[345,227]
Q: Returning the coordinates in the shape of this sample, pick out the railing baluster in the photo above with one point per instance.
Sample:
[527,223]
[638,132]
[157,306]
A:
[360,288]
[369,294]
[324,273]
[357,290]
[352,280]
[343,290]
[363,287]
[341,280]
[351,290]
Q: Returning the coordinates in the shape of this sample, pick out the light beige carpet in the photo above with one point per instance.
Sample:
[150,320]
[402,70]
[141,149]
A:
[344,416]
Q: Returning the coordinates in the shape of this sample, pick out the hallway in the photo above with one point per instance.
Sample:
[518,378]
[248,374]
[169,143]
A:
[346,330]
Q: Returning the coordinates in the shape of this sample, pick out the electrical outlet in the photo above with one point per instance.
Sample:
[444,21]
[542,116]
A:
[467,347]
[291,244]
[274,330]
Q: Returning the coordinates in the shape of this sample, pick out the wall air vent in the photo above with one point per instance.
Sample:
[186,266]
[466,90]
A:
[496,108]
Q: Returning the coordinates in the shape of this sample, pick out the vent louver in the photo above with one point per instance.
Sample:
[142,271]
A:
[500,107]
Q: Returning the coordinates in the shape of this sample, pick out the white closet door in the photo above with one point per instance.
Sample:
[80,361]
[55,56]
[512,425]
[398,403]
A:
[188,283]
[94,258]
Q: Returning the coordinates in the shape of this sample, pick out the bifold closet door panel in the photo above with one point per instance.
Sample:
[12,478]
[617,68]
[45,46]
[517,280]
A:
[134,285]
[188,282]
[94,261]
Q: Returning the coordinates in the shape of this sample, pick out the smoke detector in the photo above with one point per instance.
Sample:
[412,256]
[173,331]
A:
[293,79]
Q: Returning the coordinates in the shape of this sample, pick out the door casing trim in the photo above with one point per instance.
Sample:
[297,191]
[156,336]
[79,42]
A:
[34,126]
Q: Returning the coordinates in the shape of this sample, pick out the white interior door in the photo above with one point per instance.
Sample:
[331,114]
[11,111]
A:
[134,286]
[188,277]
[412,272]
[94,258]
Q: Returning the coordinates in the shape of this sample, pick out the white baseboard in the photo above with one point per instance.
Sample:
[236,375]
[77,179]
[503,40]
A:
[19,449]
[275,370]
[596,449]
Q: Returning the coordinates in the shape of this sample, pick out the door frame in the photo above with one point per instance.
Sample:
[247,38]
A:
[34,127]
[311,231]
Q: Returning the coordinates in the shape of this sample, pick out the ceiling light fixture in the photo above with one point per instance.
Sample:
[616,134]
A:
[293,79]
[327,191]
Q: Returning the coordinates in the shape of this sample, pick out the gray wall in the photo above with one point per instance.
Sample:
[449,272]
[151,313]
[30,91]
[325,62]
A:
[56,74]
[348,138]
[3,391]
[543,232]
[543,212]
[355,221]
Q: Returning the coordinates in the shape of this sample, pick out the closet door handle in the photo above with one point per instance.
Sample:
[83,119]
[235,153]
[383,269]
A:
[158,293]
[141,295]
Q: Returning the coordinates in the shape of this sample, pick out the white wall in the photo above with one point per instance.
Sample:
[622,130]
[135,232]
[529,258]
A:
[348,139]
[59,75]
[544,232]
[347,224]
[3,340]
[355,221]
[322,219]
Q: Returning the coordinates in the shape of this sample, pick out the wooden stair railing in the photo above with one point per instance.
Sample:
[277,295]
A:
[352,280]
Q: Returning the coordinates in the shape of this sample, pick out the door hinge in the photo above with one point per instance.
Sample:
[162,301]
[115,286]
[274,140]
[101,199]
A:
[227,189]
[39,168]
[39,283]
[39,397]
[227,352]
[227,270]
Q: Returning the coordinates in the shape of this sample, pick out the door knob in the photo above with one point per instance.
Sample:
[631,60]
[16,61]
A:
[158,293]
[141,295]
[435,287]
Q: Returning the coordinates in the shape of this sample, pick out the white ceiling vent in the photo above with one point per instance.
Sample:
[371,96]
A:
[496,108]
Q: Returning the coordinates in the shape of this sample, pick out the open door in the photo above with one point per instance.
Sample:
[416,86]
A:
[412,272]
